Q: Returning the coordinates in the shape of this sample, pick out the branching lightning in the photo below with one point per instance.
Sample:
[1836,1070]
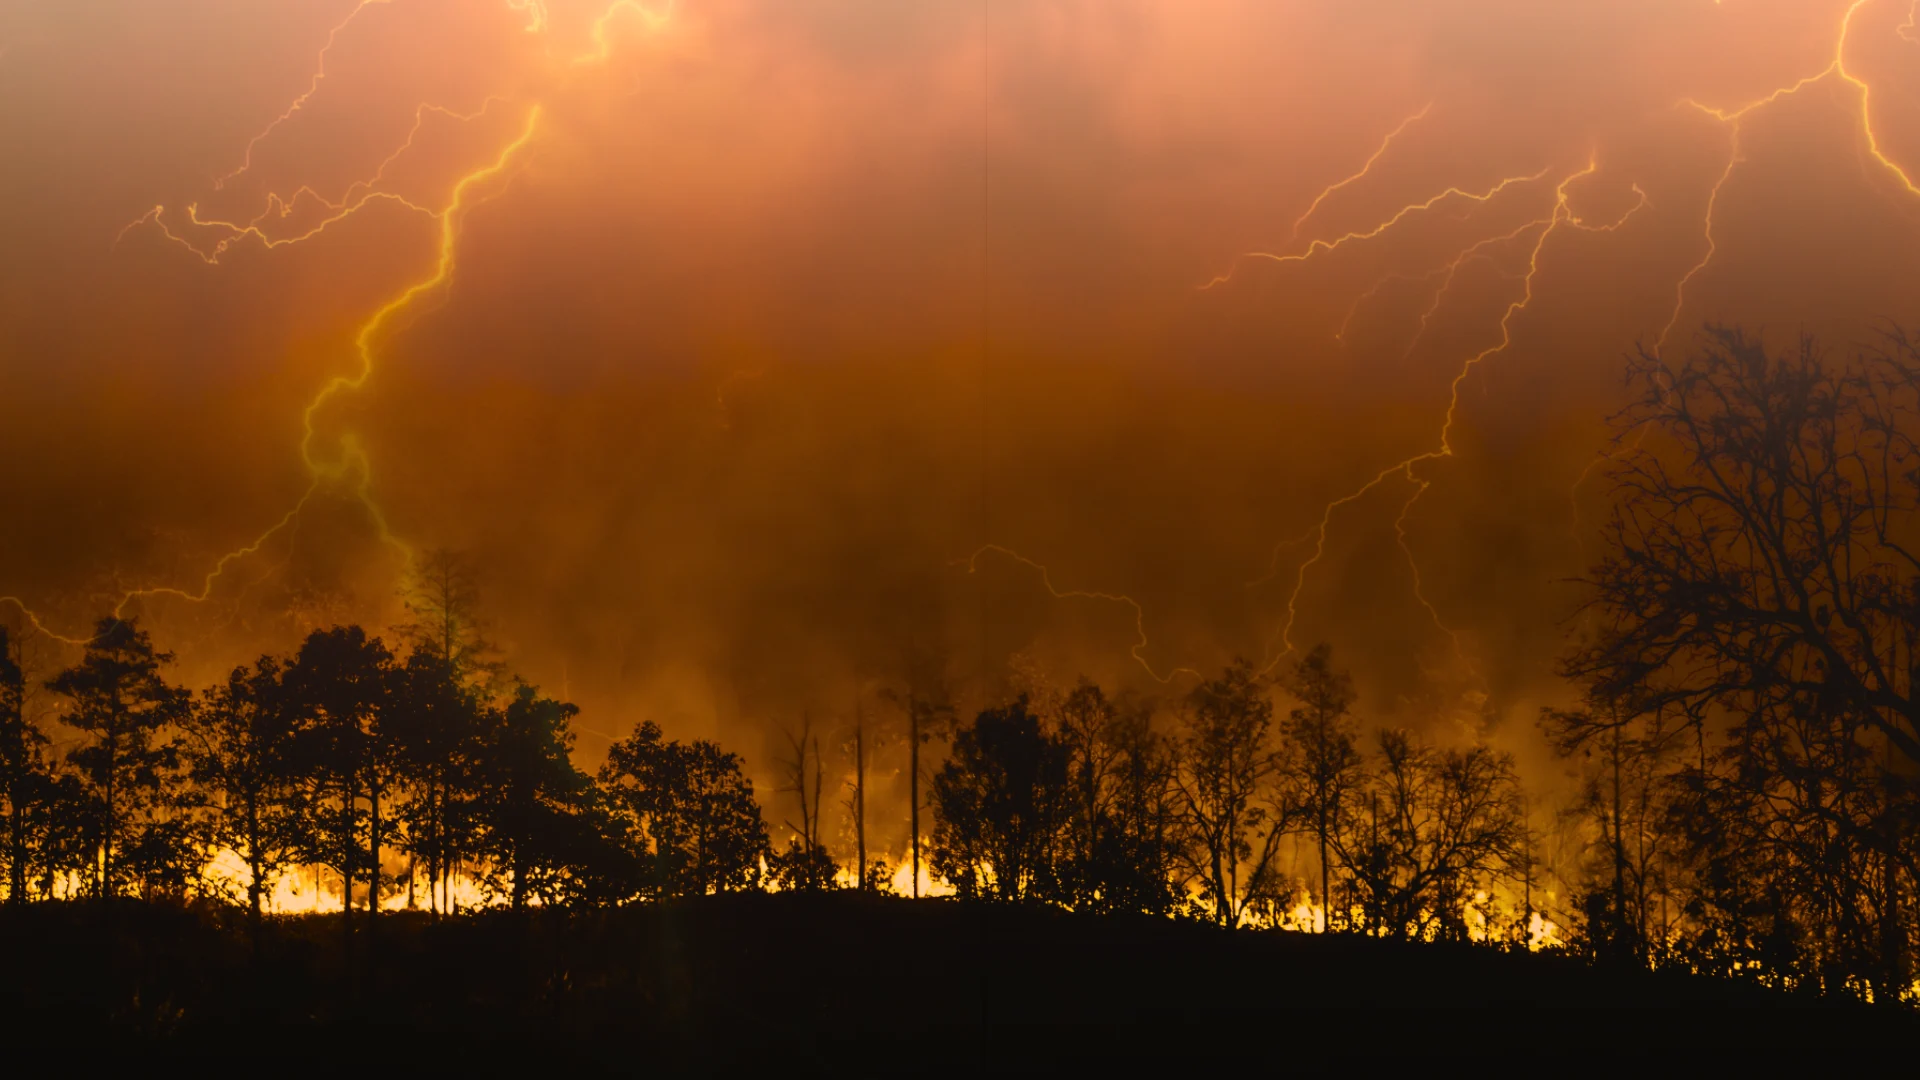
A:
[972,563]
[346,464]
[298,103]
[1561,216]
[1734,120]
[1322,247]
[1385,145]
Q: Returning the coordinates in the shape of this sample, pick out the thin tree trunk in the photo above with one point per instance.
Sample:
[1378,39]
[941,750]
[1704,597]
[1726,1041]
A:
[253,869]
[1619,851]
[1326,899]
[860,797]
[373,874]
[110,824]
[349,847]
[913,785]
[17,860]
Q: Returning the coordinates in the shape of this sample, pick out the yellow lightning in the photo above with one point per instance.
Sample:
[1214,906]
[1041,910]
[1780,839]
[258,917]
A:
[1734,119]
[349,461]
[313,87]
[1561,216]
[357,197]
[1385,145]
[1321,247]
[1314,248]
[1419,585]
[1046,580]
[603,41]
[450,220]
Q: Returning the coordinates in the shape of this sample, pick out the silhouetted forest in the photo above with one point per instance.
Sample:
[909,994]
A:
[1747,747]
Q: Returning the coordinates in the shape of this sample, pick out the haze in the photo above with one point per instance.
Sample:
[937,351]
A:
[784,324]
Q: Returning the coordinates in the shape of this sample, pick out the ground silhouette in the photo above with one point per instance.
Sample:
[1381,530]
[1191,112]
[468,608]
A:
[844,982]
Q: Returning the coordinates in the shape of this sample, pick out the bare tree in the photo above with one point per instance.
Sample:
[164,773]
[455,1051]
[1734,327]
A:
[1442,827]
[1232,815]
[1762,582]
[1321,763]
[1623,796]
[806,864]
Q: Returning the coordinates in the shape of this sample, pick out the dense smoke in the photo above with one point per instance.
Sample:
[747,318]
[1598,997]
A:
[787,309]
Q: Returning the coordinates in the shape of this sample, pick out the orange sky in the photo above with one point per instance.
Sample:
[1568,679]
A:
[783,308]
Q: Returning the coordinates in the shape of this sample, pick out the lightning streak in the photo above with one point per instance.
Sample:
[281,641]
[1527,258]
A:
[603,43]
[972,563]
[1734,119]
[1385,144]
[279,208]
[313,87]
[1561,216]
[1322,247]
[349,460]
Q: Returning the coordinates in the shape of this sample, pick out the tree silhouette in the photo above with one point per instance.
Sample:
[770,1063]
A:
[1001,804]
[1321,764]
[530,798]
[342,682]
[24,779]
[1625,796]
[1232,815]
[692,810]
[806,864]
[1761,584]
[1442,826]
[436,723]
[242,757]
[442,599]
[118,697]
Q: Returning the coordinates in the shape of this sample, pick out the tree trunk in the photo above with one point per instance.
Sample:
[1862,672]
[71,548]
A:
[519,878]
[253,869]
[350,845]
[110,824]
[913,786]
[373,875]
[1619,855]
[860,798]
[17,852]
[1326,899]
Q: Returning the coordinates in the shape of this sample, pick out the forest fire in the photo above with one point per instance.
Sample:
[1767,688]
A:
[584,465]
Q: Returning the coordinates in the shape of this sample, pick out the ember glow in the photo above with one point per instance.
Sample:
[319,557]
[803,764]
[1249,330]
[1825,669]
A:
[758,351]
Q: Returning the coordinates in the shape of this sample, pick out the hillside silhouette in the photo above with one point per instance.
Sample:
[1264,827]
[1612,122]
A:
[847,982]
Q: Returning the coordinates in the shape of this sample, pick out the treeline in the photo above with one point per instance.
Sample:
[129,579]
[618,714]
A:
[343,756]
[346,757]
[1234,813]
[1746,750]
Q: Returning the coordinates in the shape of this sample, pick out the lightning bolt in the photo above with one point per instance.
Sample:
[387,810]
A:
[346,463]
[603,42]
[300,102]
[972,564]
[1317,248]
[279,208]
[1560,217]
[1385,145]
[1734,119]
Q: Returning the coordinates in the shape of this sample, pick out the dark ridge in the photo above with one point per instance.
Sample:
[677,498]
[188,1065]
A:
[841,982]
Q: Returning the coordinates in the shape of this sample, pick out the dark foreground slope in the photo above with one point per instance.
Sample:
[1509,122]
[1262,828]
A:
[841,982]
